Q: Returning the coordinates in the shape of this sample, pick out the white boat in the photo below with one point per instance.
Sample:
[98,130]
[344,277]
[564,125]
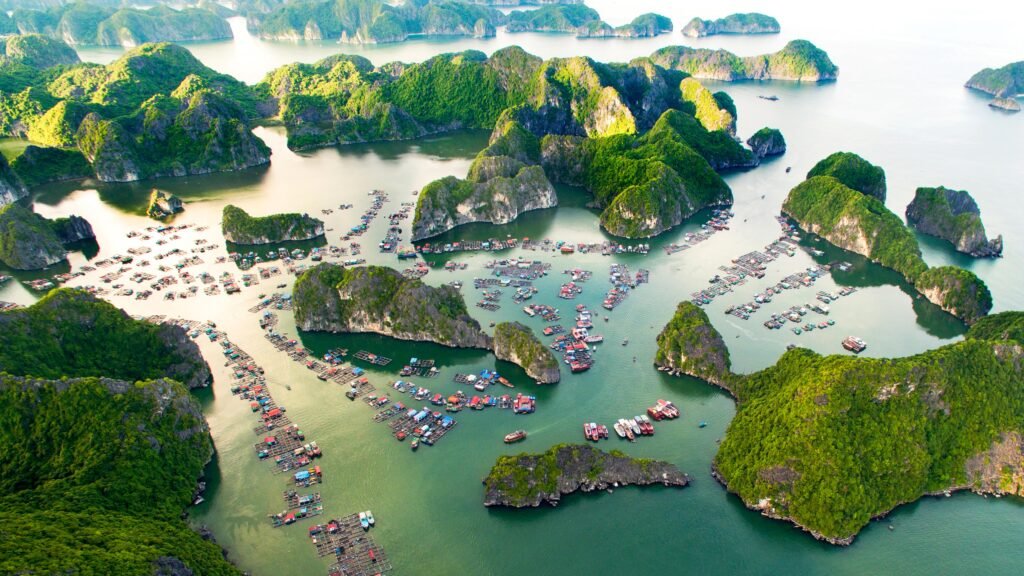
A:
[369,518]
[619,430]
[363,521]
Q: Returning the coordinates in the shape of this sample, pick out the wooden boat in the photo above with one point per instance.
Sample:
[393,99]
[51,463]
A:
[516,436]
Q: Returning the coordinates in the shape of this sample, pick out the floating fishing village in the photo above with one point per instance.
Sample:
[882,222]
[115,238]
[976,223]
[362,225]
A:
[180,262]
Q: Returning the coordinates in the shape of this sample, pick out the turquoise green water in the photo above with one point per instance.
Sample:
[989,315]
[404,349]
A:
[898,102]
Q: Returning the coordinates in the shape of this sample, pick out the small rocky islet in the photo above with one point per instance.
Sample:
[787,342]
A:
[1004,84]
[530,480]
[954,216]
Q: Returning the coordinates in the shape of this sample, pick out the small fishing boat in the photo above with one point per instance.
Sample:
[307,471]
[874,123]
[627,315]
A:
[369,518]
[415,444]
[363,521]
[515,436]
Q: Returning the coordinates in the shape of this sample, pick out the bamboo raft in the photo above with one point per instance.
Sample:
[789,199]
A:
[351,546]
[373,358]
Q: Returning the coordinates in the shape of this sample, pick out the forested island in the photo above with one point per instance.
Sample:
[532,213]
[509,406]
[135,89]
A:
[98,483]
[529,480]
[241,228]
[155,111]
[831,442]
[799,60]
[374,21]
[585,22]
[858,222]
[645,141]
[84,23]
[29,241]
[954,216]
[377,299]
[1004,84]
[518,344]
[751,23]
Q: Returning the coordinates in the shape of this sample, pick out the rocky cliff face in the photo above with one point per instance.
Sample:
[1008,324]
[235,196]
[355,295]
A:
[516,343]
[379,300]
[502,184]
[690,345]
[11,186]
[451,202]
[957,291]
[952,215]
[733,24]
[767,142]
[27,240]
[529,480]
[163,204]
[188,365]
[1004,84]
[72,229]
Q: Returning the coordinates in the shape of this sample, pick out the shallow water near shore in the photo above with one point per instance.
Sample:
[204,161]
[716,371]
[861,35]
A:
[899,102]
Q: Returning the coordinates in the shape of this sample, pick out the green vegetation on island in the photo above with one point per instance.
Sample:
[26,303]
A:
[954,216]
[164,205]
[29,241]
[860,223]
[830,442]
[331,298]
[241,228]
[643,26]
[529,480]
[98,481]
[707,107]
[155,111]
[752,23]
[37,165]
[854,172]
[799,60]
[501,184]
[374,21]
[1004,84]
[518,344]
[34,51]
[688,344]
[767,142]
[12,187]
[553,18]
[83,23]
[647,184]
[70,333]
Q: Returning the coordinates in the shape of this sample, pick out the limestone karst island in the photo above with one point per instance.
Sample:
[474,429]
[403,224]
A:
[506,287]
